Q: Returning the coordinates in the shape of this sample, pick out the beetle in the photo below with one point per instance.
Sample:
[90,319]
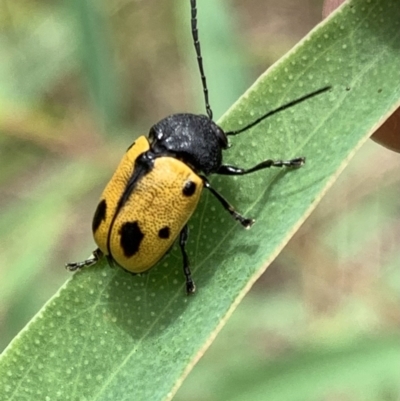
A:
[156,187]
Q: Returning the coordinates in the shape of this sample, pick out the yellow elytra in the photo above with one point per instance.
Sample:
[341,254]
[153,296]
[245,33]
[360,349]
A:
[138,234]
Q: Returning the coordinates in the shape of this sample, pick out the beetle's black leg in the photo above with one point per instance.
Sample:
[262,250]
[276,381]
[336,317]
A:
[232,170]
[97,254]
[190,287]
[246,223]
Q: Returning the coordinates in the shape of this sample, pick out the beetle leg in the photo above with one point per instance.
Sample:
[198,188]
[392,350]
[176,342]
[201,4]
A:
[233,170]
[246,223]
[97,254]
[190,287]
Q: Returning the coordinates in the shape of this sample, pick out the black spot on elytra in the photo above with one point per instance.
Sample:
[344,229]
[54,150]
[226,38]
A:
[189,188]
[131,238]
[164,233]
[99,215]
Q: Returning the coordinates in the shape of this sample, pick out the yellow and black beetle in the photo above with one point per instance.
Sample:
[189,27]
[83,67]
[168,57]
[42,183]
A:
[158,184]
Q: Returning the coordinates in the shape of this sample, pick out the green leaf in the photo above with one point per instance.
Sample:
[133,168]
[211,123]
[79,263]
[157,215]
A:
[365,368]
[108,335]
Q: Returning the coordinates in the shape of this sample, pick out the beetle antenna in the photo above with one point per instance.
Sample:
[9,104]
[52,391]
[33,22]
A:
[279,109]
[195,35]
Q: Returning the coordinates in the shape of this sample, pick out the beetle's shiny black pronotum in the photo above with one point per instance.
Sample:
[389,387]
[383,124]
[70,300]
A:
[156,187]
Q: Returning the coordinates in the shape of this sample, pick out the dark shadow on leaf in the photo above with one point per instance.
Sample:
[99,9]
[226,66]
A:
[146,304]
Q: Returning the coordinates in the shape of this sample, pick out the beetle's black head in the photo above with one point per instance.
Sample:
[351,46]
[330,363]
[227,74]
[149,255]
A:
[194,139]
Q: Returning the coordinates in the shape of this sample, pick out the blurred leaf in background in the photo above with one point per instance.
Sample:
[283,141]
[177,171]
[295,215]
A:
[80,80]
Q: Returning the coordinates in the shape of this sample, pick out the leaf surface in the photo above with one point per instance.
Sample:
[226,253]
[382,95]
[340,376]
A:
[108,335]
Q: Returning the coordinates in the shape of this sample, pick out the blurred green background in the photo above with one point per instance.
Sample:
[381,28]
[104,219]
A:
[79,80]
